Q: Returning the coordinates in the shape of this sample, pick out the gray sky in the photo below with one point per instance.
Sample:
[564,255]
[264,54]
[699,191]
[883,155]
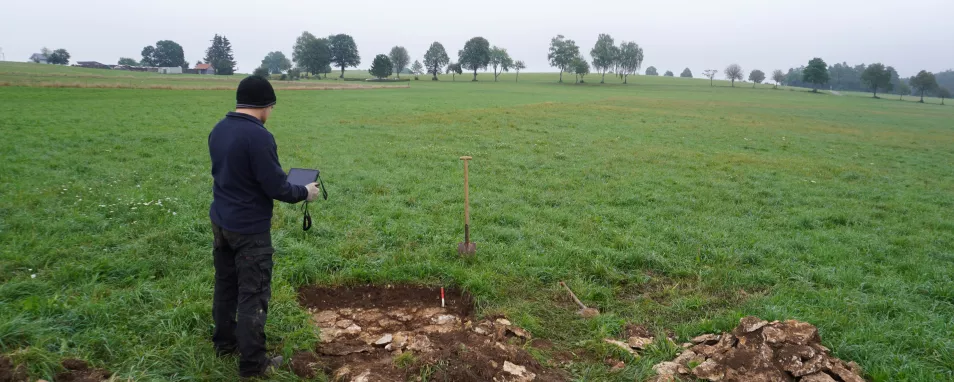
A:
[771,34]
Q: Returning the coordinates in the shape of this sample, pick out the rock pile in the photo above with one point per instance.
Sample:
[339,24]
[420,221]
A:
[758,350]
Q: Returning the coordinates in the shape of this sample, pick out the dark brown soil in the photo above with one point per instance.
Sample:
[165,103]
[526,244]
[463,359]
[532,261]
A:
[76,371]
[633,330]
[79,371]
[397,333]
[367,297]
[8,373]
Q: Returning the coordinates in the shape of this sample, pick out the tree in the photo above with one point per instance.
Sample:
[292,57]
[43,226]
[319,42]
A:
[454,69]
[128,61]
[651,71]
[604,54]
[381,67]
[276,62]
[668,74]
[943,93]
[344,52]
[710,73]
[902,88]
[756,76]
[435,59]
[475,55]
[499,58]
[400,59]
[778,76]
[518,66]
[816,73]
[581,67]
[148,55]
[924,81]
[562,53]
[219,55]
[686,73]
[261,71]
[58,57]
[166,53]
[312,54]
[417,68]
[630,59]
[877,76]
[734,72]
[294,74]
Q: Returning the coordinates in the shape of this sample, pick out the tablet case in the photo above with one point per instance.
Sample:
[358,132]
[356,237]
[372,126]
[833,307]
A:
[302,176]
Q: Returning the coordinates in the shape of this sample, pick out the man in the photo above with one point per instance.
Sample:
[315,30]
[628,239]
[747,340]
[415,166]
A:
[247,177]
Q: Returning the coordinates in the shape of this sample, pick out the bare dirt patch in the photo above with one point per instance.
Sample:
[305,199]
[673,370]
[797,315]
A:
[79,371]
[76,371]
[396,333]
[9,373]
[758,350]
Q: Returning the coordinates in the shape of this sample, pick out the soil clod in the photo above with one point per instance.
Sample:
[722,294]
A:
[758,350]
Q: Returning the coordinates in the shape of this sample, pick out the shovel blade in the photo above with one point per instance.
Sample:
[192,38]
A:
[466,248]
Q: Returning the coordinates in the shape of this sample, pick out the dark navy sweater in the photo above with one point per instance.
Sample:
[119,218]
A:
[247,175]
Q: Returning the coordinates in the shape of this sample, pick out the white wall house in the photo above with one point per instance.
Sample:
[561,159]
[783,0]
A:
[39,58]
[170,70]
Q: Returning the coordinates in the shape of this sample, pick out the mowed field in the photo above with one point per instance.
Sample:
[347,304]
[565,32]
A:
[666,203]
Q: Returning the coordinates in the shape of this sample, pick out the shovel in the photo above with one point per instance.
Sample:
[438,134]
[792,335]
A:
[466,248]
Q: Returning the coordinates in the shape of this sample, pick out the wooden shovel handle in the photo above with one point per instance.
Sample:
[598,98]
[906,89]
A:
[466,193]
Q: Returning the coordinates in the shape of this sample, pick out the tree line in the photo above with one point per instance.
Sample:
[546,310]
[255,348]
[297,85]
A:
[316,56]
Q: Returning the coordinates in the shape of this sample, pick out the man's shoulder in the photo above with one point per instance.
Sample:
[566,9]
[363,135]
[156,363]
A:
[242,126]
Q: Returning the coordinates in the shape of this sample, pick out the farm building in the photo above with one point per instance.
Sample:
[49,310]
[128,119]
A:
[91,64]
[204,69]
[39,58]
[170,70]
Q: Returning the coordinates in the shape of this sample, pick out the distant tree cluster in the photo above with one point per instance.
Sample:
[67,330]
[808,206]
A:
[128,61]
[276,62]
[315,55]
[625,59]
[165,53]
[57,57]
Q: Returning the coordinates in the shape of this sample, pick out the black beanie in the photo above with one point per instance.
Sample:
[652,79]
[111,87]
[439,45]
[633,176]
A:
[254,92]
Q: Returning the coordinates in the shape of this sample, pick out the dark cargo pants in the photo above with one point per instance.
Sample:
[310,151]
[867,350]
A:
[243,278]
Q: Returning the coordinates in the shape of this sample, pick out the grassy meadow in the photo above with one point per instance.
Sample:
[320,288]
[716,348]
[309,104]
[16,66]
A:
[665,202]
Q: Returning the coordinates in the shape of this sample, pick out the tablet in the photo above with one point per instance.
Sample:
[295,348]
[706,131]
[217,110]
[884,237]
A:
[302,176]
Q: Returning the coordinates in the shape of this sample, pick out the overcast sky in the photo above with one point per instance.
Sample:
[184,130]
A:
[771,34]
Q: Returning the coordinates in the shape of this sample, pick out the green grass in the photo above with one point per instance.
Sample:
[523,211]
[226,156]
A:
[666,202]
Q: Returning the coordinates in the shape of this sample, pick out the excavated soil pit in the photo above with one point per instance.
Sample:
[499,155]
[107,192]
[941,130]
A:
[396,333]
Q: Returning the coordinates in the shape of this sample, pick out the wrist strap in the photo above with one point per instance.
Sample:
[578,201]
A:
[306,220]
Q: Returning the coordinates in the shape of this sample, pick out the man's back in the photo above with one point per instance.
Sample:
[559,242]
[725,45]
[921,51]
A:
[247,175]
